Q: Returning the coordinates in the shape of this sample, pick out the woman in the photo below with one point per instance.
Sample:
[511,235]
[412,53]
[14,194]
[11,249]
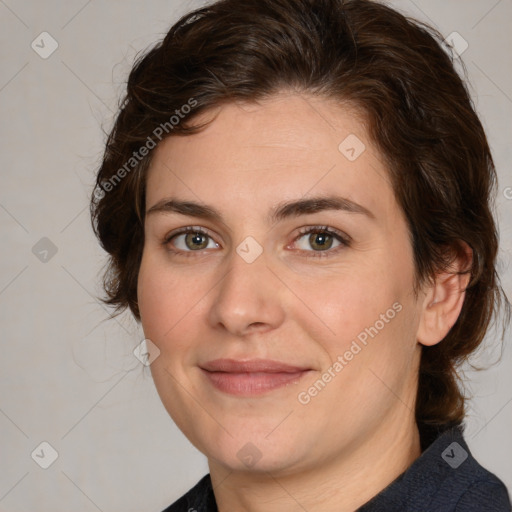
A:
[295,199]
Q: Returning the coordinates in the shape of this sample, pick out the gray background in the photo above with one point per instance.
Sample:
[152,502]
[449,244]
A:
[68,375]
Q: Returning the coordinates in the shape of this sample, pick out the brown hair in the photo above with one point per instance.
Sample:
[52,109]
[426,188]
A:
[418,111]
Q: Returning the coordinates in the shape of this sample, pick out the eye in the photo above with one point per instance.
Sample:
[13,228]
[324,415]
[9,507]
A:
[321,239]
[190,239]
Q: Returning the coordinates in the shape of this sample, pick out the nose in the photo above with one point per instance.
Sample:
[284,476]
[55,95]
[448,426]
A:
[248,298]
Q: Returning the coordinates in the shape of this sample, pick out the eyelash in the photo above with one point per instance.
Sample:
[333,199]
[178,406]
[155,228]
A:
[341,237]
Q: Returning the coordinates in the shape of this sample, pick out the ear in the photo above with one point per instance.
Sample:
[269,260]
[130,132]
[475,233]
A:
[444,298]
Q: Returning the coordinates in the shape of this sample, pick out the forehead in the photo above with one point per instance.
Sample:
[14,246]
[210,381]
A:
[284,147]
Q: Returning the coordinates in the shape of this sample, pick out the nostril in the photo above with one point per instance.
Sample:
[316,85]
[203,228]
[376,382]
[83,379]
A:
[255,326]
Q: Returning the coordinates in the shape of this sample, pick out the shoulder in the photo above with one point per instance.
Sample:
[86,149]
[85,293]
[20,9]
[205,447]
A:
[198,499]
[465,485]
[487,494]
[445,478]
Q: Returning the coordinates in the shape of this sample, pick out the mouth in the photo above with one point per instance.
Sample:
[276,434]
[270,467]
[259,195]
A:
[251,377]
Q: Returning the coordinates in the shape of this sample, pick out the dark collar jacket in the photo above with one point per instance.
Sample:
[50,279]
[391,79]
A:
[445,478]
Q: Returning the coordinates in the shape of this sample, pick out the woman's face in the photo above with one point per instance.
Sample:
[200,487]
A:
[327,319]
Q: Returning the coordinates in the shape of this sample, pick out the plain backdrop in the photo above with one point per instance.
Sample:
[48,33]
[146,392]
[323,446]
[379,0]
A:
[68,375]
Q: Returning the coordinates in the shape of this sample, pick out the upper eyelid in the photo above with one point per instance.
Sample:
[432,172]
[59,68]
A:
[315,227]
[186,230]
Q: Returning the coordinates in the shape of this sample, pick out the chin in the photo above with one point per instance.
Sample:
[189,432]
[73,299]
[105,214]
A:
[252,450]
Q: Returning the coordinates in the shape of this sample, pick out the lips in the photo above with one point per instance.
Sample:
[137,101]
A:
[250,377]
[250,366]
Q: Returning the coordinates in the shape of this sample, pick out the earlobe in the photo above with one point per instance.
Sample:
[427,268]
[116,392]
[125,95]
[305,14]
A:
[443,301]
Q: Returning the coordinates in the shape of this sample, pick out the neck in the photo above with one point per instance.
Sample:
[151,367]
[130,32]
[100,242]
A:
[344,483]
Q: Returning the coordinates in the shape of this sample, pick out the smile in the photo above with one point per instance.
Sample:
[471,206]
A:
[250,378]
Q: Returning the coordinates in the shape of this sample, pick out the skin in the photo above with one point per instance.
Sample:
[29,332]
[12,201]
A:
[358,433]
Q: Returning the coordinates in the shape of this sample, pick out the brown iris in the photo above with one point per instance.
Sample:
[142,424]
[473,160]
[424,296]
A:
[320,241]
[195,241]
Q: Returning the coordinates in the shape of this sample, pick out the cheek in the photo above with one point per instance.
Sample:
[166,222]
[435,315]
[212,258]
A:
[173,304]
[164,304]
[369,348]
[351,301]
[366,312]
[165,297]
[169,304]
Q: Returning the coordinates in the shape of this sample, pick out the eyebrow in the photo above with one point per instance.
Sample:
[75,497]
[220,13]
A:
[278,213]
